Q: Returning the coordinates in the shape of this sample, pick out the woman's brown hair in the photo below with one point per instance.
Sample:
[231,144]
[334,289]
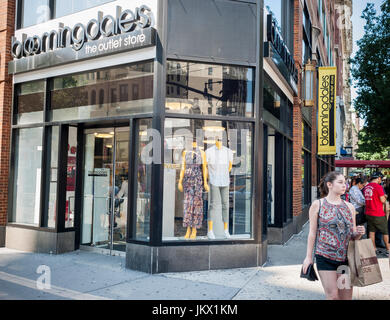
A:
[329,177]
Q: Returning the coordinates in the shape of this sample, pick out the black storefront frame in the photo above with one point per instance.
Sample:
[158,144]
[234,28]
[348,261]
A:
[158,120]
[282,217]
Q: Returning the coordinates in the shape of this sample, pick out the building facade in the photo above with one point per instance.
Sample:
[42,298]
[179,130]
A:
[348,126]
[314,38]
[107,104]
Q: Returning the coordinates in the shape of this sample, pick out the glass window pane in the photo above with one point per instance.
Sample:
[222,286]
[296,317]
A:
[196,150]
[272,99]
[75,96]
[143,184]
[71,178]
[52,206]
[27,176]
[64,7]
[34,12]
[195,88]
[30,102]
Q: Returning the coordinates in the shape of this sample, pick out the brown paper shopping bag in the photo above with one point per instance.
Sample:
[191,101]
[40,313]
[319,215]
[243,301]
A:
[363,263]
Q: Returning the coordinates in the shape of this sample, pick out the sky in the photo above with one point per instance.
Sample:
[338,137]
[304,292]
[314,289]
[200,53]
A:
[358,25]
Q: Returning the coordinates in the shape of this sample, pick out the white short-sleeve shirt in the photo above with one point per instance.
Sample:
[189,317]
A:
[218,165]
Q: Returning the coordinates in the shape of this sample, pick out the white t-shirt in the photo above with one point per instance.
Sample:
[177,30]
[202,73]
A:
[218,165]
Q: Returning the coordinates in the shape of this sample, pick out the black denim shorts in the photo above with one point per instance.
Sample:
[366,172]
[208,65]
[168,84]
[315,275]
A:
[325,264]
[375,224]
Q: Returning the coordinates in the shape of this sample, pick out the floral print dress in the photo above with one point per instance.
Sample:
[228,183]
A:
[193,190]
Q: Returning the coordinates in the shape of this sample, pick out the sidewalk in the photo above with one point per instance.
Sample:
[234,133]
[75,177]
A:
[86,275]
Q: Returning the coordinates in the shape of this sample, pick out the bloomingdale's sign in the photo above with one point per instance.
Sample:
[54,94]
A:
[104,35]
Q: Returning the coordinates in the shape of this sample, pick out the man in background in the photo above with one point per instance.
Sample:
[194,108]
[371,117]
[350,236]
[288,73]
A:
[376,218]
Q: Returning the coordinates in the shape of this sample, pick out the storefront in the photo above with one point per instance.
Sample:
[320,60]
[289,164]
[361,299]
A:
[120,112]
[280,88]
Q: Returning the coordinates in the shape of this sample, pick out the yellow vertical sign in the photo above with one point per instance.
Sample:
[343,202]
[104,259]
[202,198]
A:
[327,82]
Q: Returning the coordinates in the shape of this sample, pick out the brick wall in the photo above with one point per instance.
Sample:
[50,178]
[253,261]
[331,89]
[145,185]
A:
[297,112]
[7,20]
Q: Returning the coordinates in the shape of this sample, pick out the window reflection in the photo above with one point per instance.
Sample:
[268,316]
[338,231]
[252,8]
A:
[211,89]
[30,102]
[272,100]
[34,12]
[27,177]
[64,7]
[73,96]
[271,165]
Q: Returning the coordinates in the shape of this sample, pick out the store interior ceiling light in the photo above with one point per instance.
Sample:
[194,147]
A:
[104,135]
[214,128]
[209,141]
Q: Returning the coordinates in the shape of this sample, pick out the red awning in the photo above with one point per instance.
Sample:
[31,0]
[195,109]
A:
[362,163]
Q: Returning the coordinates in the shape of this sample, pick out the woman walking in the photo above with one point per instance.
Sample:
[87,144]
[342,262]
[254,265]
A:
[332,226]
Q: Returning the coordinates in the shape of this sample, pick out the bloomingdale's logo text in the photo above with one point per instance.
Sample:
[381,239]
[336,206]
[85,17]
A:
[107,26]
[326,101]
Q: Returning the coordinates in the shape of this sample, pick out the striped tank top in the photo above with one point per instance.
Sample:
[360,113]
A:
[335,228]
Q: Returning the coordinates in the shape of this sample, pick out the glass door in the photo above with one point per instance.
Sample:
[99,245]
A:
[105,187]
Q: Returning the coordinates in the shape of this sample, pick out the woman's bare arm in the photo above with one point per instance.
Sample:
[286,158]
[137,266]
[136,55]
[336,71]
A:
[313,216]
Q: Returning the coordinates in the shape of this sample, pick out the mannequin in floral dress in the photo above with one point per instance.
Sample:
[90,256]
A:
[193,180]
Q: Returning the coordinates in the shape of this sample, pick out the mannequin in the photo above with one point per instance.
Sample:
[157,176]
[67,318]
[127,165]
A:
[220,162]
[193,178]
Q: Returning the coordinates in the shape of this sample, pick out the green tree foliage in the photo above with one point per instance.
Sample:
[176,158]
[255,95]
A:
[371,70]
[368,151]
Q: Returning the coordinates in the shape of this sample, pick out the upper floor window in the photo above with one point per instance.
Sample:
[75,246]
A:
[65,7]
[228,91]
[31,12]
